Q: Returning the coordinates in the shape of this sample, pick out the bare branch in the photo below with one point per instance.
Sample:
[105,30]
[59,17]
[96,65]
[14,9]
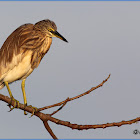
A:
[48,117]
[60,107]
[76,97]
[49,130]
[86,127]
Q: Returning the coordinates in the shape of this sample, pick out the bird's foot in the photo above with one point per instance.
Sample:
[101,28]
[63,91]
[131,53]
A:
[16,104]
[34,110]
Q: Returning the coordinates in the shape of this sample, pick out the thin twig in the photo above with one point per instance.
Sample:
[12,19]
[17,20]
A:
[76,97]
[60,107]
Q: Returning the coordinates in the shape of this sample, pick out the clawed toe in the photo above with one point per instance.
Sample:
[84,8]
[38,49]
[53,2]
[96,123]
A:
[16,104]
[34,110]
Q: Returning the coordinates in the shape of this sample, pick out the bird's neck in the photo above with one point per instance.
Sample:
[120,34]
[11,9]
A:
[39,53]
[46,45]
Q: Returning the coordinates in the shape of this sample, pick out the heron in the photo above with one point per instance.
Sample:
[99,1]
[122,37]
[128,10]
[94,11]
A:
[23,51]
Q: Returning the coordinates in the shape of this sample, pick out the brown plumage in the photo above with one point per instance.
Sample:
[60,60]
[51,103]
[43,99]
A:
[22,52]
[24,48]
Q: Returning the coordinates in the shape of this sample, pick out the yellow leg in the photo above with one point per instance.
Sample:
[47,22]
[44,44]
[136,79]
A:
[25,100]
[11,96]
[24,94]
[8,88]
[23,91]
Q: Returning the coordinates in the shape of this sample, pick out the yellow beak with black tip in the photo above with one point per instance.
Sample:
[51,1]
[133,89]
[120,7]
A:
[56,34]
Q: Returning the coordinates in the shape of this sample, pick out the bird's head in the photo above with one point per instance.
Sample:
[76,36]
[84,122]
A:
[49,28]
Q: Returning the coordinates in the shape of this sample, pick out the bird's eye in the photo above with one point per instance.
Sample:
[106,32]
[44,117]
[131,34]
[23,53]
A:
[50,29]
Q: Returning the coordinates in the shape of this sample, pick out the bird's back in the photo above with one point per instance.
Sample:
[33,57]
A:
[26,44]
[10,52]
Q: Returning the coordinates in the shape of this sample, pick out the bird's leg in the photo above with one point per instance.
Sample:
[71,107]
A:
[24,94]
[25,100]
[12,98]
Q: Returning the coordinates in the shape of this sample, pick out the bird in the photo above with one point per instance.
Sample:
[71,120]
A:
[23,51]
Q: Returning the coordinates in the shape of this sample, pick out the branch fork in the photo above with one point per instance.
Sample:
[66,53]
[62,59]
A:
[48,117]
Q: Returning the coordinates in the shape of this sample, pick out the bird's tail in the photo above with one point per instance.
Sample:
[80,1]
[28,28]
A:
[1,85]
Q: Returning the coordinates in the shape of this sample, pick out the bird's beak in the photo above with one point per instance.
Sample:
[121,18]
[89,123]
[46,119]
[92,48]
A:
[56,34]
